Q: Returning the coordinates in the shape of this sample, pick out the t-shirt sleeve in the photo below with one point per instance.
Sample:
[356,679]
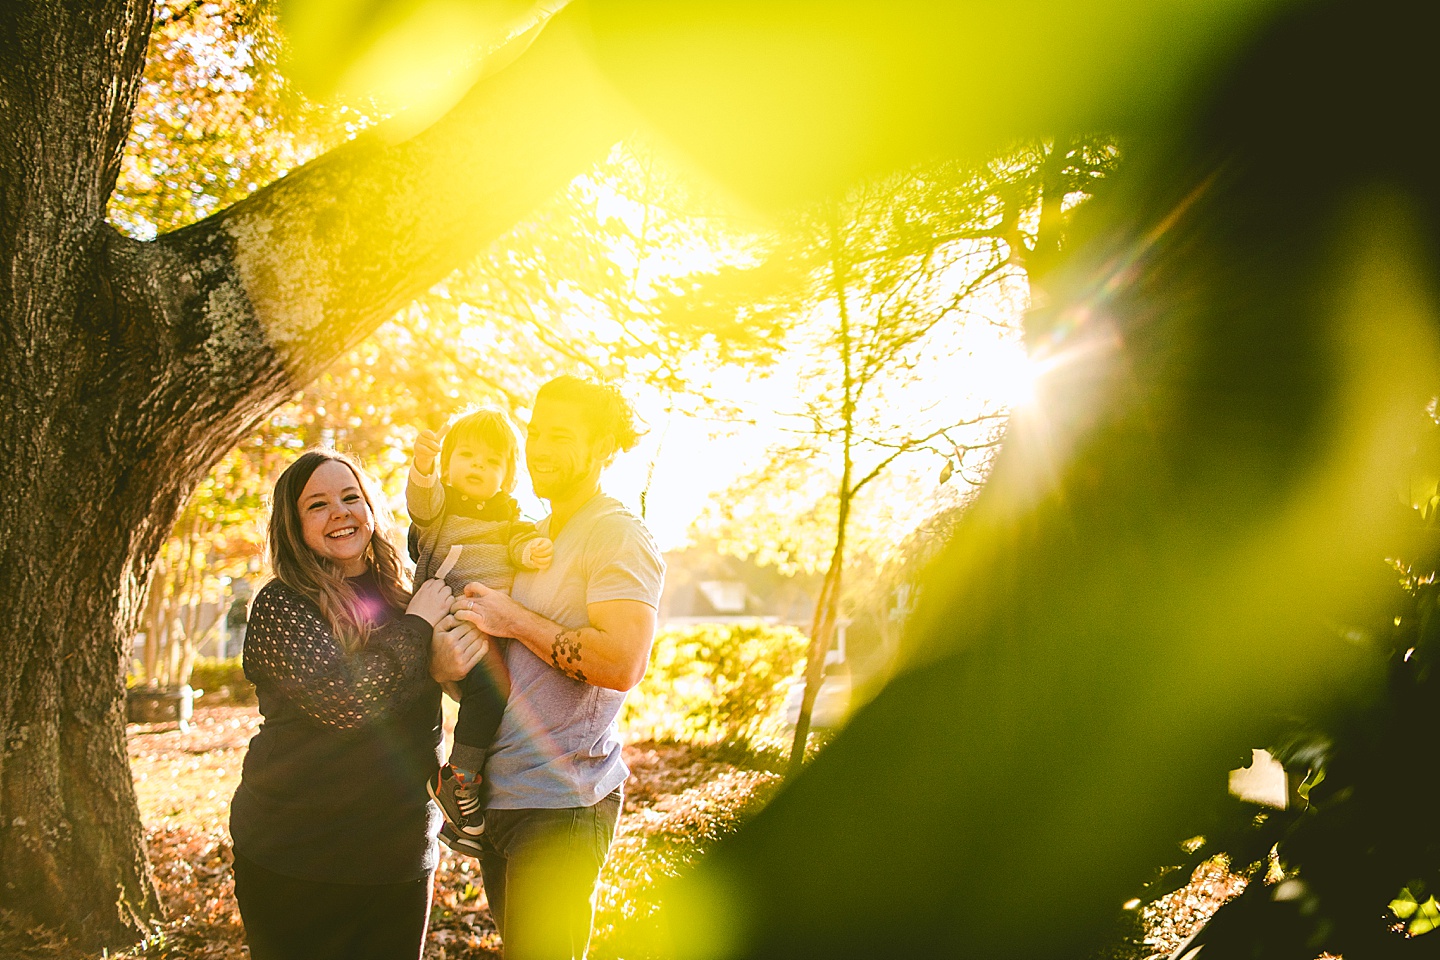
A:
[625,563]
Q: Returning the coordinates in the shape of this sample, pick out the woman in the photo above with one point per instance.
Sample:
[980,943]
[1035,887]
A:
[334,832]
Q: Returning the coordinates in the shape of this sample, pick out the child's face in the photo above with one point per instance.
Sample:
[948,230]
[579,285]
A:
[476,469]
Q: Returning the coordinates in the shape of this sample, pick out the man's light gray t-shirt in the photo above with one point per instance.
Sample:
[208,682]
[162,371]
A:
[558,745]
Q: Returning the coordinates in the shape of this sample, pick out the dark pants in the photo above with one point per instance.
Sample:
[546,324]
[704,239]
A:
[483,694]
[540,868]
[290,919]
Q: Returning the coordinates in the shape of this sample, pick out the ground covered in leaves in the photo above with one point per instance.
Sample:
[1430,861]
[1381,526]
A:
[679,800]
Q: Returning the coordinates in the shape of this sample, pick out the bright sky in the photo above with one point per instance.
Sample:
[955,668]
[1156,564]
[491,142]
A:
[692,459]
[695,459]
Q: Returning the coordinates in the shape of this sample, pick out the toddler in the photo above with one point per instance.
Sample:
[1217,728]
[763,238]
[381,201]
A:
[465,526]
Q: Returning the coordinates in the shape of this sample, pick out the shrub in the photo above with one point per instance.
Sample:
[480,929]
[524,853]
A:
[222,680]
[714,683]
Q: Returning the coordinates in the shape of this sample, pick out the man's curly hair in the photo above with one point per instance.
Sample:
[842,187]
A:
[603,408]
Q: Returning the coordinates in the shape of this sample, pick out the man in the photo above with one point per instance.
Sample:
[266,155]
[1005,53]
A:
[582,631]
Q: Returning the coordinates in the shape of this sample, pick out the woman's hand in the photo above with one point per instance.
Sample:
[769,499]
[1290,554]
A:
[455,648]
[431,601]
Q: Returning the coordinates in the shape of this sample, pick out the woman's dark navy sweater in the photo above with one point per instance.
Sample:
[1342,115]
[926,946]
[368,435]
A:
[333,787]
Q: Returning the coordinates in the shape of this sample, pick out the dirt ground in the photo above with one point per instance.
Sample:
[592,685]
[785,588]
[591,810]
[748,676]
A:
[678,801]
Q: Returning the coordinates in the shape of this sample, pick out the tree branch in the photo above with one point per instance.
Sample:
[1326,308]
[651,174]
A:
[916,443]
[308,266]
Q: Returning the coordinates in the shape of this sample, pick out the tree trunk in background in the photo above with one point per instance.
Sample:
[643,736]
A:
[129,368]
[827,606]
[153,620]
[822,635]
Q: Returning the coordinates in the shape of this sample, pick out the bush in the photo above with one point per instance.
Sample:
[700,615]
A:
[222,680]
[715,683]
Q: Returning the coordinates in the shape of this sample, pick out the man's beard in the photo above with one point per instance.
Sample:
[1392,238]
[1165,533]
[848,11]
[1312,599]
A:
[561,485]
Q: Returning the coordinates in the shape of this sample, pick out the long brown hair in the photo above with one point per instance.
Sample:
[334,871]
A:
[318,578]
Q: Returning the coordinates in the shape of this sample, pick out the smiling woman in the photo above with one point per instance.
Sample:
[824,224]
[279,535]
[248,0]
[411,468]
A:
[333,830]
[335,517]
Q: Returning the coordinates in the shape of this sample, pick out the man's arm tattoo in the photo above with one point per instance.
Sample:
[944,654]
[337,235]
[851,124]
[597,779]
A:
[565,654]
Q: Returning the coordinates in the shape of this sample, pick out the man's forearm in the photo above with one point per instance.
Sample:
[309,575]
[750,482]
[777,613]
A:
[586,654]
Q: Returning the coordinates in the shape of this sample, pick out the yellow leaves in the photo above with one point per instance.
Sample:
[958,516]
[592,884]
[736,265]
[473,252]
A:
[413,58]
[215,118]
[788,101]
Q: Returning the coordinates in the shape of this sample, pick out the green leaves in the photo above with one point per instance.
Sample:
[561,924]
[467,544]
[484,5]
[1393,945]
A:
[1418,918]
[216,118]
[714,683]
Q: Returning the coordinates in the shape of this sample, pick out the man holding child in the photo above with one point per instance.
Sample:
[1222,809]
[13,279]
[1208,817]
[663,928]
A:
[577,629]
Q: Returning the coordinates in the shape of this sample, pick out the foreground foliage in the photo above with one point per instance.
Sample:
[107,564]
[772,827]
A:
[715,683]
[1351,867]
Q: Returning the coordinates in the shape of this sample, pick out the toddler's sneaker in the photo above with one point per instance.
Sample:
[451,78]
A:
[458,841]
[462,805]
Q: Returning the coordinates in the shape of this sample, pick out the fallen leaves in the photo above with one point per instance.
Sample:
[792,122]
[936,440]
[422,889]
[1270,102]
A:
[1173,917]
[678,800]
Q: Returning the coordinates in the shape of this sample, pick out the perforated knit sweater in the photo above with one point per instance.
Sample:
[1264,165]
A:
[333,786]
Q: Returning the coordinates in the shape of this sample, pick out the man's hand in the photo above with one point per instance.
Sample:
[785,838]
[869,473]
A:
[427,448]
[492,611]
[538,553]
[455,648]
[610,652]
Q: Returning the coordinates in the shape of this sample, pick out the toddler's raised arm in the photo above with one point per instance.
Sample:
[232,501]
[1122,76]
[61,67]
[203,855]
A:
[424,496]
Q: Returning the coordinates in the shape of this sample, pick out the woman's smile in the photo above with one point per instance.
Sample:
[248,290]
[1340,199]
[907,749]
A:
[335,519]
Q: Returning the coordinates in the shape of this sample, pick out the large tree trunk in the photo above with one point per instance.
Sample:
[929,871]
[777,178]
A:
[74,518]
[128,368]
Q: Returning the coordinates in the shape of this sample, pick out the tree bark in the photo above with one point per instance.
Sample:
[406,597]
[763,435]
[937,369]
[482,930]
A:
[128,368]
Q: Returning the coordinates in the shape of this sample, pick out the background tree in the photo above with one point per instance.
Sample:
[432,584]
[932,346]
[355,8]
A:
[593,279]
[879,287]
[134,365]
[570,289]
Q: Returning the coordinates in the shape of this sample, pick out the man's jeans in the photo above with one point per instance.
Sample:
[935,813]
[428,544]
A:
[540,868]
